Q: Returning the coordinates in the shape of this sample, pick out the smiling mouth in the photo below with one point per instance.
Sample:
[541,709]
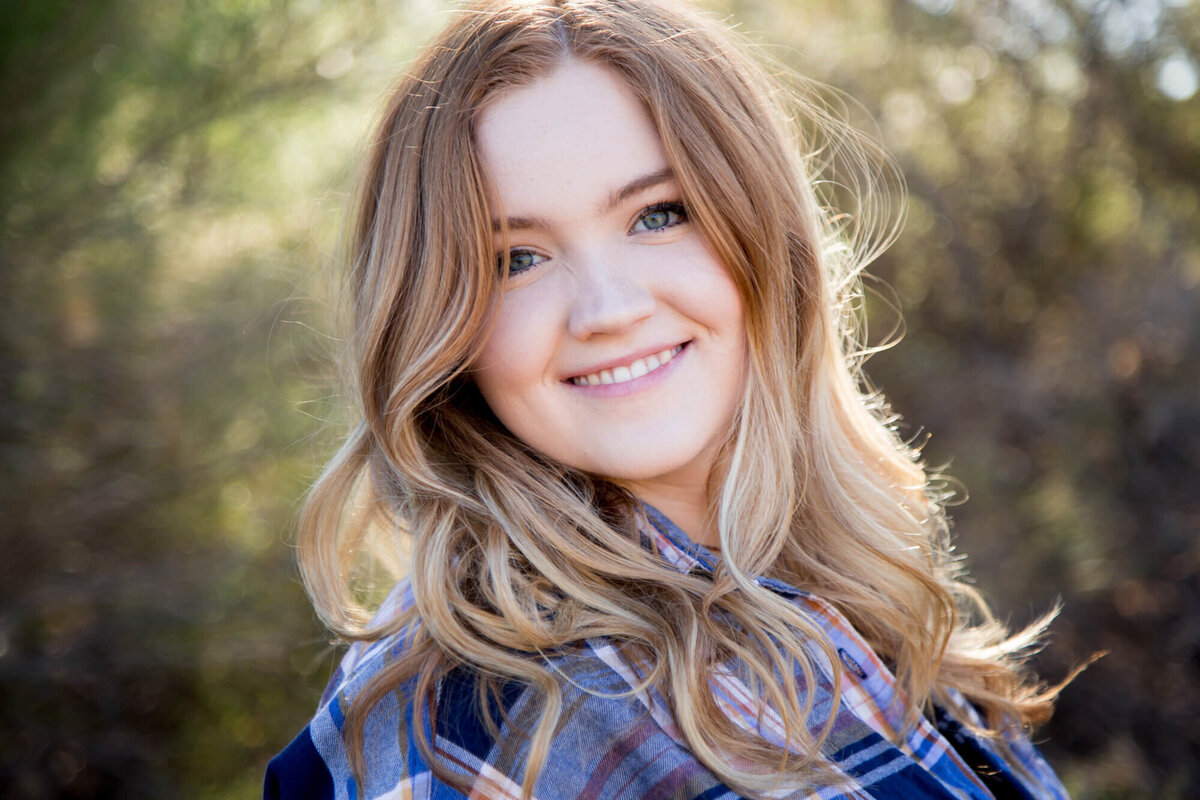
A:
[630,371]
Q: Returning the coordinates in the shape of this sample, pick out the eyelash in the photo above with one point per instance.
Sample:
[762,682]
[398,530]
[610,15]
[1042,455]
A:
[671,206]
[674,207]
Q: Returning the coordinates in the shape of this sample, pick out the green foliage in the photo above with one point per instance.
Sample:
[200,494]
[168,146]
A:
[164,170]
[171,182]
[1049,283]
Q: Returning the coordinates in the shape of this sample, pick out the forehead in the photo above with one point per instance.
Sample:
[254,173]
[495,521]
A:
[566,138]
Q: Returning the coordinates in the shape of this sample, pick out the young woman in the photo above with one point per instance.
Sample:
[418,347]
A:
[656,538]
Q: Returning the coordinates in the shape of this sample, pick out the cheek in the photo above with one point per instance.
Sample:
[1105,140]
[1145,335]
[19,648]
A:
[706,291]
[717,305]
[517,355]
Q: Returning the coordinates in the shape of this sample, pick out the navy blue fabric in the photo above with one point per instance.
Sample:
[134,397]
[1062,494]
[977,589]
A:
[994,776]
[459,717]
[298,773]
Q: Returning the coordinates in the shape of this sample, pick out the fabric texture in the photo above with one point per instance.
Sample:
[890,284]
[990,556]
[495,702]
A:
[615,743]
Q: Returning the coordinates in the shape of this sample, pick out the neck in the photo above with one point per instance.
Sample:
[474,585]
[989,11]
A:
[688,509]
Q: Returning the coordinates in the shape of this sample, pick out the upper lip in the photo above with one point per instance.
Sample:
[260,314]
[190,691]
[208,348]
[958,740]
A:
[625,360]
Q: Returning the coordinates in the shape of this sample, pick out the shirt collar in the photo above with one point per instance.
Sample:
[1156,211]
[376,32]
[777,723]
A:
[678,550]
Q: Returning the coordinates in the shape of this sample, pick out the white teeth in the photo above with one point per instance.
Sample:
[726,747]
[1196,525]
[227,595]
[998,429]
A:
[627,373]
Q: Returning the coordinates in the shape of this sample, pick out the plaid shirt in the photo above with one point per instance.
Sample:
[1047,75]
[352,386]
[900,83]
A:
[614,744]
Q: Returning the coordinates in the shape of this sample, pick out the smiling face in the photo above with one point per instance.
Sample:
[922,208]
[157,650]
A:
[619,347]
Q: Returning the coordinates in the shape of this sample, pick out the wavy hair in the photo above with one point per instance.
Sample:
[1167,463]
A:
[512,555]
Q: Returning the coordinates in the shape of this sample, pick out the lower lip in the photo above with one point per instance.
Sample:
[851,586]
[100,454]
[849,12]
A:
[650,379]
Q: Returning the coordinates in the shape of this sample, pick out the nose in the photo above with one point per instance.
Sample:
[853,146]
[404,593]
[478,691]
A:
[609,298]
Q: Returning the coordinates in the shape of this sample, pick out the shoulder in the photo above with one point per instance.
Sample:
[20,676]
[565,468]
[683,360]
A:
[610,740]
[298,772]
[316,765]
[1008,760]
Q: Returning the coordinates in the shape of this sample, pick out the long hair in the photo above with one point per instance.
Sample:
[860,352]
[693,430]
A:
[510,554]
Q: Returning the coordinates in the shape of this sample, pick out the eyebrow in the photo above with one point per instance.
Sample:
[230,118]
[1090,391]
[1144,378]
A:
[615,198]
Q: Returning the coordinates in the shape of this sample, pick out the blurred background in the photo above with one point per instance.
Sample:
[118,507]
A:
[172,179]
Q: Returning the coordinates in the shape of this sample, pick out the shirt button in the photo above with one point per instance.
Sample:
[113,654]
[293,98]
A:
[851,664]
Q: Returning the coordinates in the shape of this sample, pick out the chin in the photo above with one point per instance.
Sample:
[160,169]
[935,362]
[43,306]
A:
[626,470]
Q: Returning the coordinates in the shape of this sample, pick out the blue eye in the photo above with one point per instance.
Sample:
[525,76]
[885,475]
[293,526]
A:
[660,216]
[519,261]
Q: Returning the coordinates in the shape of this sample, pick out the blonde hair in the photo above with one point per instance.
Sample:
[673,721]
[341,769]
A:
[512,554]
